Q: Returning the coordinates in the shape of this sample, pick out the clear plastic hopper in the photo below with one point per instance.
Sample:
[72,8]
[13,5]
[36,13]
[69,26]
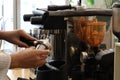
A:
[89,30]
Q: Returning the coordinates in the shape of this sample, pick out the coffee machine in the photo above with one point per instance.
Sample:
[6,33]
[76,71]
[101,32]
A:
[67,48]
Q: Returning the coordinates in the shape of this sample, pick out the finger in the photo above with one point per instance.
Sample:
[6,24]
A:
[43,52]
[41,63]
[32,47]
[44,56]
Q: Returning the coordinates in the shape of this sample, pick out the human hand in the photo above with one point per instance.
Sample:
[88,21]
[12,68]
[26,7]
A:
[15,36]
[29,58]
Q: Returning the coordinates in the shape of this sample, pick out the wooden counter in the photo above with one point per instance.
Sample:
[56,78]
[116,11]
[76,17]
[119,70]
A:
[13,74]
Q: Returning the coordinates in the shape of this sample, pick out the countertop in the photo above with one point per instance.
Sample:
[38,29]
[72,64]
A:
[14,74]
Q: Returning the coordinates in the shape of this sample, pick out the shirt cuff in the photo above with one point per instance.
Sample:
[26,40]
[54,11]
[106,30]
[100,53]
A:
[5,61]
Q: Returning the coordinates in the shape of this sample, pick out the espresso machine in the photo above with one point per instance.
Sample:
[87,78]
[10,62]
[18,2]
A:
[73,52]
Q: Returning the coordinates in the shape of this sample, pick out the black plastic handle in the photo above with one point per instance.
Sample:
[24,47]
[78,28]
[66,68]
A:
[30,43]
[27,17]
[56,7]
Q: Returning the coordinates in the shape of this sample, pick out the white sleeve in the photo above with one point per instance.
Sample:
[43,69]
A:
[5,61]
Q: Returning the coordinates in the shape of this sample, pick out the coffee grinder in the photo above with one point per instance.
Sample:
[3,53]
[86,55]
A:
[87,58]
[116,32]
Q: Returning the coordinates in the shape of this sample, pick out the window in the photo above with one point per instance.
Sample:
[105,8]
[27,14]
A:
[6,20]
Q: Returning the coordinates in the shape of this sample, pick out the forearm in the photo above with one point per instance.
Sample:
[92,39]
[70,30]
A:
[14,61]
[2,34]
